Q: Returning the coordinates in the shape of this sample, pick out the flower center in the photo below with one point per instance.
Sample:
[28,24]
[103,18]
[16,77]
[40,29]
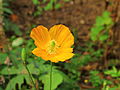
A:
[52,46]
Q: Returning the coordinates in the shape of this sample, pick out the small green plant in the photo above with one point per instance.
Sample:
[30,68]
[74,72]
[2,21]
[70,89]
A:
[100,34]
[113,72]
[5,8]
[48,5]
[96,80]
[10,26]
[100,30]
[107,87]
[39,9]
[36,2]
[52,4]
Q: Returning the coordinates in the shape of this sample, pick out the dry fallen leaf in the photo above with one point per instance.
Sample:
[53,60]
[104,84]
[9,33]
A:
[7,61]
[90,67]
[14,17]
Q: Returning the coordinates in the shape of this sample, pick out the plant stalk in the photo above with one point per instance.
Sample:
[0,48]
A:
[51,76]
[30,75]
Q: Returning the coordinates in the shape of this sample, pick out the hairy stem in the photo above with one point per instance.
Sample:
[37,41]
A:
[51,77]
[30,75]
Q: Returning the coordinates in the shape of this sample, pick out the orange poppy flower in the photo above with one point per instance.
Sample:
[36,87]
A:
[55,44]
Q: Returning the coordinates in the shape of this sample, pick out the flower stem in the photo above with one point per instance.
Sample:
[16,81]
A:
[51,76]
[30,75]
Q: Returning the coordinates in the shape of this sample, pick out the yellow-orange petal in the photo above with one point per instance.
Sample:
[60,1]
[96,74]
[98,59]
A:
[63,54]
[41,53]
[62,35]
[62,57]
[41,36]
[65,50]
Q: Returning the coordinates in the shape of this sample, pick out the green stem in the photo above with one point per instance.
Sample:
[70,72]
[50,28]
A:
[51,76]
[30,75]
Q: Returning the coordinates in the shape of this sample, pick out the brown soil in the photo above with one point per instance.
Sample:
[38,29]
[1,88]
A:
[77,14]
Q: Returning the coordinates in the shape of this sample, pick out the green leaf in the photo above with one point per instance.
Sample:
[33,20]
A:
[17,42]
[95,31]
[21,69]
[7,10]
[108,21]
[66,0]
[93,38]
[99,21]
[11,70]
[17,80]
[103,37]
[57,79]
[35,2]
[1,88]
[106,14]
[37,13]
[44,1]
[49,6]
[57,6]
[115,69]
[114,88]
[113,72]
[119,73]
[114,75]
[16,29]
[33,69]
[3,57]
[10,26]
[107,18]
[5,4]
[66,78]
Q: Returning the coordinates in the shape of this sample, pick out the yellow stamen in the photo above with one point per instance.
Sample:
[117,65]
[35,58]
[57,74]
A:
[52,46]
